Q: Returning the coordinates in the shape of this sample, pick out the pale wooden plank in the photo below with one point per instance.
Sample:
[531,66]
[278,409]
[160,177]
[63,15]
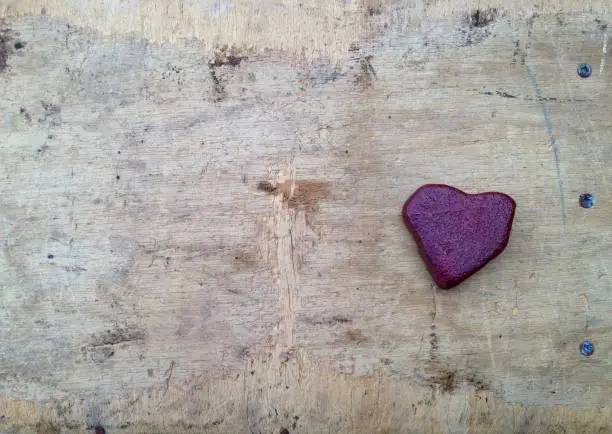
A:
[227,251]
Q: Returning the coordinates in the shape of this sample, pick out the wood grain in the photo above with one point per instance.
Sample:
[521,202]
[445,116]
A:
[307,29]
[206,236]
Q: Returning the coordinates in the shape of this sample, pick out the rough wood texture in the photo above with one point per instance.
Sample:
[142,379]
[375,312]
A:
[200,238]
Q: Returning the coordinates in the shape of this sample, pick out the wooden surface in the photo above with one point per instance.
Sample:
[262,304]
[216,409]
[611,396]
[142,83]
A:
[200,217]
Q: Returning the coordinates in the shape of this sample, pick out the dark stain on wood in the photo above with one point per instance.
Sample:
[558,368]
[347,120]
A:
[355,335]
[47,427]
[366,76]
[25,114]
[482,17]
[6,49]
[266,186]
[446,381]
[50,109]
[224,57]
[334,320]
[103,346]
[478,383]
[119,335]
[374,10]
[227,57]
[602,25]
[433,346]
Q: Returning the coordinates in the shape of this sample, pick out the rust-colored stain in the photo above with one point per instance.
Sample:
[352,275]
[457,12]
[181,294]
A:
[308,194]
[303,194]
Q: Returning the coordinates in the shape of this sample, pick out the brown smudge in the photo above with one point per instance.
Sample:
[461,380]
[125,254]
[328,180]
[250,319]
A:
[355,335]
[307,195]
[266,186]
[300,195]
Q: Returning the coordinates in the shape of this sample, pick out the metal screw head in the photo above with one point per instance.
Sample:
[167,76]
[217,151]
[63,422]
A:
[584,70]
[587,348]
[587,200]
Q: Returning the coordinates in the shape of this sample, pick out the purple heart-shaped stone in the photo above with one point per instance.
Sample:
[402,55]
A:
[457,233]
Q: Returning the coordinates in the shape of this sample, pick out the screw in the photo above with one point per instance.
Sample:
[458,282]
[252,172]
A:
[587,348]
[587,200]
[584,70]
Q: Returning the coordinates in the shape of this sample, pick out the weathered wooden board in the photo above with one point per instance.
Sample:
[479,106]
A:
[206,238]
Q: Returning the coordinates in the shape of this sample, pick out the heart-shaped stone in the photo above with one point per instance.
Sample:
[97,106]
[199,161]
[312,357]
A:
[457,233]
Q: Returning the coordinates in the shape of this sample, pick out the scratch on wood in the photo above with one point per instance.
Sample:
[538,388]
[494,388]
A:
[334,320]
[168,375]
[541,99]
[285,258]
[552,141]
[604,50]
[74,269]
[487,329]
[435,306]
